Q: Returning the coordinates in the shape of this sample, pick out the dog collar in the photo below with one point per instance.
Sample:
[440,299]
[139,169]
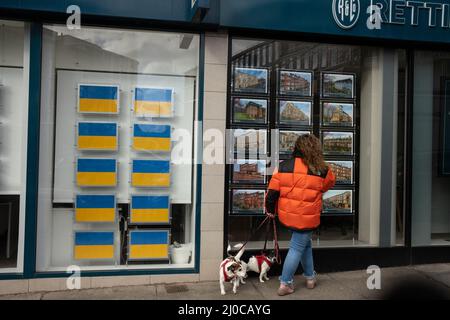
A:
[262,258]
[226,277]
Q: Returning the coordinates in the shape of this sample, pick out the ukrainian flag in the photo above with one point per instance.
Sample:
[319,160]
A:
[96,172]
[149,209]
[98,99]
[148,245]
[95,208]
[153,102]
[94,245]
[97,136]
[151,137]
[150,173]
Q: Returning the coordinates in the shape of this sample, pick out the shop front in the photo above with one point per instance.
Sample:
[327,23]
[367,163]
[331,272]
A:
[136,148]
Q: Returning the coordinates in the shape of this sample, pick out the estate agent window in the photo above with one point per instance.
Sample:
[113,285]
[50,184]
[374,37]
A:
[13,142]
[431,149]
[282,89]
[115,104]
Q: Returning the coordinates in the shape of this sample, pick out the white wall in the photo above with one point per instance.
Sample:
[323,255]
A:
[379,93]
[370,147]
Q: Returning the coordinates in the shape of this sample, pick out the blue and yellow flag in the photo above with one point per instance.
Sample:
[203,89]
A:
[153,102]
[96,172]
[149,209]
[94,245]
[150,173]
[151,137]
[95,208]
[98,99]
[148,245]
[97,136]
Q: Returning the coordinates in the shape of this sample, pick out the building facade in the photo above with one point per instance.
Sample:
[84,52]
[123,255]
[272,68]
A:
[118,138]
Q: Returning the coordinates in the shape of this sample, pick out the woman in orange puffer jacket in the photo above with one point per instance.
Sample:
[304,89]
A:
[295,193]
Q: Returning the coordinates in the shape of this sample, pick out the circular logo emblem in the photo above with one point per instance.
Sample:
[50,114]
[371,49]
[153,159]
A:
[346,13]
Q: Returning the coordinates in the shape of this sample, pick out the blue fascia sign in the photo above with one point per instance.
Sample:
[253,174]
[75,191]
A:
[417,20]
[396,12]
[198,10]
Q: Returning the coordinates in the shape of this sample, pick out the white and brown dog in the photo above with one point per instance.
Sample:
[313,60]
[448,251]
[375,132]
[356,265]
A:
[233,270]
[261,264]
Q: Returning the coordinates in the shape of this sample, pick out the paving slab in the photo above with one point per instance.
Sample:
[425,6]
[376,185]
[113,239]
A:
[116,293]
[23,296]
[326,289]
[394,282]
[438,272]
[208,291]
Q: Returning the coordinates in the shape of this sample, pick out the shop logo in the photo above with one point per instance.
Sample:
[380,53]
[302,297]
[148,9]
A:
[346,12]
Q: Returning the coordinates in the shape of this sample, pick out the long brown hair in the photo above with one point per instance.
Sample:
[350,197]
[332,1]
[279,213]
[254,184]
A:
[311,150]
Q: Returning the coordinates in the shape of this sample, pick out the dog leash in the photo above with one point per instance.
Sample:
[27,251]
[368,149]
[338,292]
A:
[276,246]
[270,221]
[254,232]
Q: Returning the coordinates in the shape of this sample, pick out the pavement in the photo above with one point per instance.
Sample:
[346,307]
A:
[422,281]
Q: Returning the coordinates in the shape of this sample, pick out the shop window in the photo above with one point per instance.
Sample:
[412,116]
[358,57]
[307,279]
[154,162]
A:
[431,149]
[13,144]
[116,105]
[334,92]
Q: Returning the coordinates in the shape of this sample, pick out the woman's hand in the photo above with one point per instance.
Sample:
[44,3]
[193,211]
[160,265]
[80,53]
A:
[270,215]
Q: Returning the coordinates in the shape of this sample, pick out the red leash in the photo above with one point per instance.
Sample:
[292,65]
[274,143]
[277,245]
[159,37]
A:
[272,221]
[276,246]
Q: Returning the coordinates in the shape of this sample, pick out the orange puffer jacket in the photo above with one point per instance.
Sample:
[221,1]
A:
[297,194]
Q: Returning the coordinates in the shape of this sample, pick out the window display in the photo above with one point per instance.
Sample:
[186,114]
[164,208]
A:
[14,68]
[249,171]
[430,181]
[337,143]
[248,201]
[249,110]
[323,89]
[338,201]
[295,113]
[248,80]
[150,209]
[98,99]
[295,83]
[97,136]
[95,208]
[337,114]
[151,137]
[338,85]
[287,140]
[94,245]
[153,102]
[253,142]
[115,188]
[150,173]
[343,170]
[148,245]
[96,172]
